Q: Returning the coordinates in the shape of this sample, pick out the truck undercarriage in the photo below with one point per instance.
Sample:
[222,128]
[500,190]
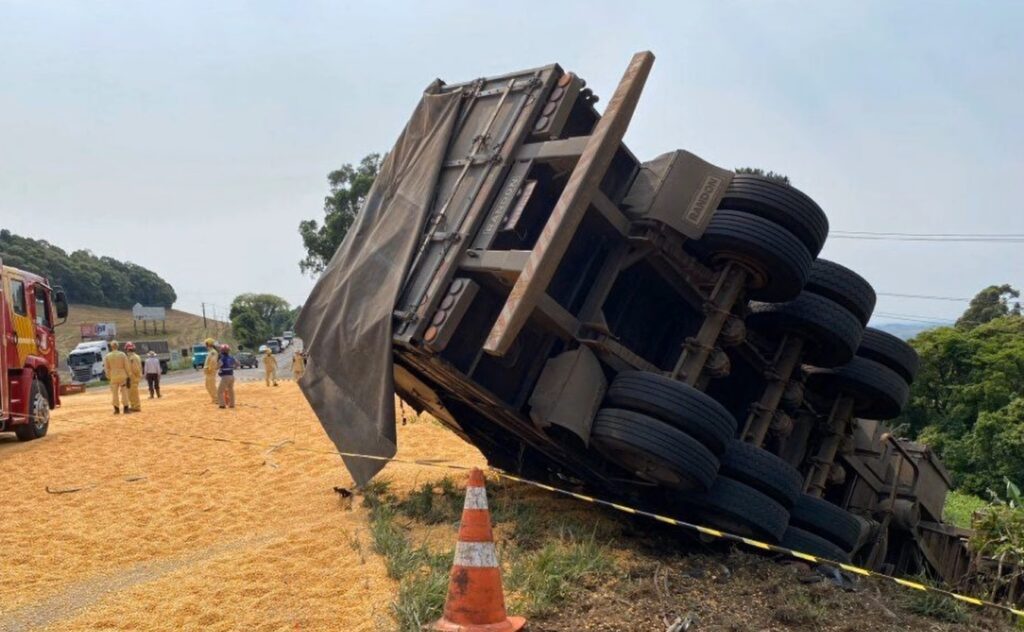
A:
[660,332]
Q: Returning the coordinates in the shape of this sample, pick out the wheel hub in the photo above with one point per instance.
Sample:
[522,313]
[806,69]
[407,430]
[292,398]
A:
[40,412]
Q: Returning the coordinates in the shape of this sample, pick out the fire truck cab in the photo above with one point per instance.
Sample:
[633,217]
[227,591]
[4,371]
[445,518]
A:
[30,386]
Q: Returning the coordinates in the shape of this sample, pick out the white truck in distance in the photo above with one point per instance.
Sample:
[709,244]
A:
[86,360]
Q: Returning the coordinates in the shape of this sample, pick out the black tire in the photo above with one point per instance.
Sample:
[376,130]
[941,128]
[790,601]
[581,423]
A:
[740,509]
[844,286]
[762,470]
[802,541]
[780,261]
[653,449]
[684,407]
[878,392]
[780,203]
[830,331]
[826,520]
[887,349]
[39,409]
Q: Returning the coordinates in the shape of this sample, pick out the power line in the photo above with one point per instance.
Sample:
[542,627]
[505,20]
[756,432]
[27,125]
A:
[984,240]
[912,318]
[925,296]
[898,234]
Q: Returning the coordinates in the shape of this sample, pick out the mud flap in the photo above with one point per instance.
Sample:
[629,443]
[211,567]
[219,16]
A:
[569,392]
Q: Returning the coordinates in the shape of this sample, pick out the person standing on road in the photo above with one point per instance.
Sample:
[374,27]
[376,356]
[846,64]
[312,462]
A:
[270,367]
[298,364]
[226,390]
[210,367]
[153,373]
[115,365]
[134,376]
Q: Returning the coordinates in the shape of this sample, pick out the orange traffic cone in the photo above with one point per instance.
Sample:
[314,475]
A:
[476,601]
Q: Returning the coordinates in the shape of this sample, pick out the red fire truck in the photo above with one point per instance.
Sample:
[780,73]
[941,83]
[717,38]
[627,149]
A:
[29,384]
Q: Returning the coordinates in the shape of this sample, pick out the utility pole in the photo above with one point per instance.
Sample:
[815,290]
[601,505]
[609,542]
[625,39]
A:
[204,315]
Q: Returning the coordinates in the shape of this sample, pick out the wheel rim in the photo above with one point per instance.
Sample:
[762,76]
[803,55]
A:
[40,412]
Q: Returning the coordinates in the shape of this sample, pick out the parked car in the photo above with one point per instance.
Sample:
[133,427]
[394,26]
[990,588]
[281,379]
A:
[248,360]
[288,335]
[275,345]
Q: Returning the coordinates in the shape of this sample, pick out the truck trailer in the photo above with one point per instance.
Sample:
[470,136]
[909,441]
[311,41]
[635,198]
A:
[660,332]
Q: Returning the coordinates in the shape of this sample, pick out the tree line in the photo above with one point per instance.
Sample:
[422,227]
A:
[257,317]
[967,402]
[87,279]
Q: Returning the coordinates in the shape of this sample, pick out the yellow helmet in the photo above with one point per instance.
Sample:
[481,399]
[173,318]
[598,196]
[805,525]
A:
[209,342]
[113,344]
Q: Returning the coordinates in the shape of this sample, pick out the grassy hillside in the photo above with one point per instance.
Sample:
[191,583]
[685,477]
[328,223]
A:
[183,328]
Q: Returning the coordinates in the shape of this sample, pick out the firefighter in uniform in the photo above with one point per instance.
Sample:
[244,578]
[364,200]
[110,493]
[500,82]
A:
[298,365]
[270,367]
[115,365]
[134,376]
[210,368]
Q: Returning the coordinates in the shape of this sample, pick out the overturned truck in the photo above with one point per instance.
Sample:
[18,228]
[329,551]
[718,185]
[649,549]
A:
[660,332]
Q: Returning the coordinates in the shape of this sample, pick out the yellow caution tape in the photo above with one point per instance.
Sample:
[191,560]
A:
[764,546]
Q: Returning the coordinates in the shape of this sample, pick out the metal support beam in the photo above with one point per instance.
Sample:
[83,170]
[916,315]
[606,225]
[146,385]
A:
[506,264]
[723,297]
[568,212]
[786,360]
[611,213]
[838,424]
[602,285]
[557,318]
[548,150]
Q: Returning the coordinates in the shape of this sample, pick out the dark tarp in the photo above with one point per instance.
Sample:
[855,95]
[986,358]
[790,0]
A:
[345,323]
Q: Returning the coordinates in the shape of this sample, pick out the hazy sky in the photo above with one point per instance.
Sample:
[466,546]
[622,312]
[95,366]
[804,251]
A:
[192,138]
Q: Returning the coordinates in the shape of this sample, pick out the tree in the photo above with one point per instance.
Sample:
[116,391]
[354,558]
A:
[256,317]
[988,304]
[771,175]
[349,186]
[967,402]
[266,306]
[87,279]
[249,328]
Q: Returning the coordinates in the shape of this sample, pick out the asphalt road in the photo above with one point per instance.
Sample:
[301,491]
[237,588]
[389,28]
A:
[284,369]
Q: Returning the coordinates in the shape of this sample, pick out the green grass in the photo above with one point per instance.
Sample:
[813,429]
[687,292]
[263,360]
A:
[934,605]
[542,579]
[959,508]
[422,574]
[434,503]
[543,564]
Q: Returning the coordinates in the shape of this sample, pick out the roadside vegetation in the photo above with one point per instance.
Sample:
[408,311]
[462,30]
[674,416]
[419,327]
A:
[967,402]
[257,317]
[960,507]
[541,567]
